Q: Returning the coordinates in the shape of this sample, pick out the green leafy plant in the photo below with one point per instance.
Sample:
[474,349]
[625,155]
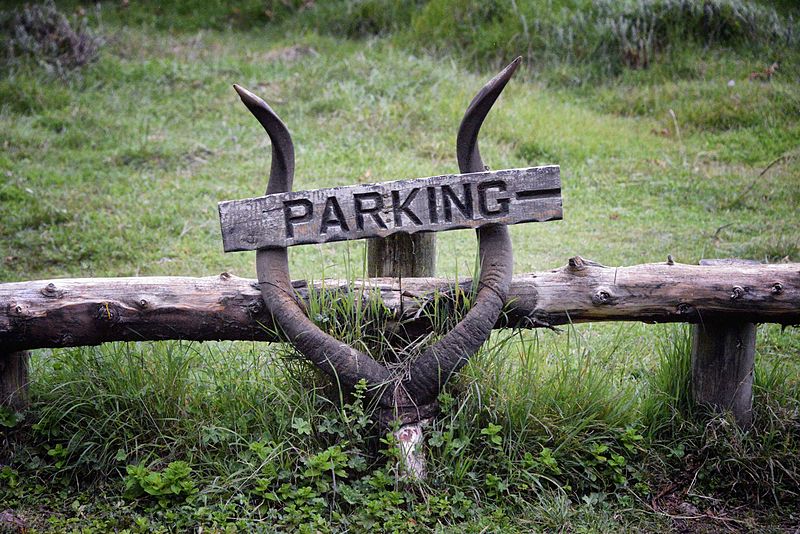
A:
[59,453]
[329,463]
[9,418]
[173,484]
[493,434]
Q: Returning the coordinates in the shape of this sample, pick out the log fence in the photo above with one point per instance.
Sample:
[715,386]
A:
[723,299]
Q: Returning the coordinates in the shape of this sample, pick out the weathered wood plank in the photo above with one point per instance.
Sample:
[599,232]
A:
[378,210]
[723,362]
[75,312]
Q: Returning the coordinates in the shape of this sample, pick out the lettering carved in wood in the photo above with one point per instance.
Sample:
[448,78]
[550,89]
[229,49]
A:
[377,210]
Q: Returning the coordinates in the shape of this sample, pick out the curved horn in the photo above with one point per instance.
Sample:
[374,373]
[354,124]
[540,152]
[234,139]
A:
[467,151]
[435,366]
[343,363]
[281,173]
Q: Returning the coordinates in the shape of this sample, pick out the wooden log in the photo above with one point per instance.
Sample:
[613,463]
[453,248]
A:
[14,379]
[75,312]
[362,211]
[723,359]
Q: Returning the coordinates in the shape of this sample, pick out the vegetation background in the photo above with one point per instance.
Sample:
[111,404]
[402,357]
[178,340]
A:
[675,123]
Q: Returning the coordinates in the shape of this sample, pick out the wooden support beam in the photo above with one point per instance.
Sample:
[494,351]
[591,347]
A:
[89,311]
[14,379]
[723,358]
[402,256]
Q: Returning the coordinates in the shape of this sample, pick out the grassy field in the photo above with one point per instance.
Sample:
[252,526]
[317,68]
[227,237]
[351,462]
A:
[115,169]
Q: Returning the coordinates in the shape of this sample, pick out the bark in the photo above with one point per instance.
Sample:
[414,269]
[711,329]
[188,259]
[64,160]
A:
[75,312]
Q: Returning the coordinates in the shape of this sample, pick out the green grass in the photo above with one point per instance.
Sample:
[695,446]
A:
[116,169]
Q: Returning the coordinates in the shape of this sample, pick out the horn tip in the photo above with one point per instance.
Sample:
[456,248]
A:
[513,66]
[247,97]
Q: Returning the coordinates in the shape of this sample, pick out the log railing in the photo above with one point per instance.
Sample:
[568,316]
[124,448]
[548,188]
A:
[75,312]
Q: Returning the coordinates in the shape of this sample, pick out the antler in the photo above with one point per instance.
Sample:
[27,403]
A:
[435,366]
[413,395]
[343,363]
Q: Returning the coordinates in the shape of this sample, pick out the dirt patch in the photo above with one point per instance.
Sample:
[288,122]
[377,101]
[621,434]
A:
[11,522]
[289,54]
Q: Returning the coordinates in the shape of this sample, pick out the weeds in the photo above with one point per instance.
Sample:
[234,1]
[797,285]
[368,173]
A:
[191,435]
[601,38]
[44,34]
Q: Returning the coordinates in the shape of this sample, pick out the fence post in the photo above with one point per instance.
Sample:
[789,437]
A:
[402,256]
[723,359]
[14,379]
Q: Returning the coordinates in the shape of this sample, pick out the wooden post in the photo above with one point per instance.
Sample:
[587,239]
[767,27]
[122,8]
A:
[14,379]
[402,256]
[723,359]
[723,354]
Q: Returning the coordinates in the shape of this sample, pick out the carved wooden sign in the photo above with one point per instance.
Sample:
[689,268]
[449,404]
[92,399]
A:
[377,210]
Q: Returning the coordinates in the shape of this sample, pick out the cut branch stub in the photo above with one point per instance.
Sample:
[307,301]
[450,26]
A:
[408,395]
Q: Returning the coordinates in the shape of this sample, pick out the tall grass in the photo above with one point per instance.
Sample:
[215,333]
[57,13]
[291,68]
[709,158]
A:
[534,418]
[570,41]
[596,40]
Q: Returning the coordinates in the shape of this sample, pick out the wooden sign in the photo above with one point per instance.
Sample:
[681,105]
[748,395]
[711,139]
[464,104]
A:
[378,210]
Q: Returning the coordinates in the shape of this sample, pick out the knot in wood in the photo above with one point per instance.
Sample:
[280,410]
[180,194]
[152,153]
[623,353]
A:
[50,291]
[602,297]
[65,339]
[576,263]
[777,288]
[737,292]
[256,307]
[106,312]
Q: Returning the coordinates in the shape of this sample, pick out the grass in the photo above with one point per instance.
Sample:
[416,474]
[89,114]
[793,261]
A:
[116,169]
